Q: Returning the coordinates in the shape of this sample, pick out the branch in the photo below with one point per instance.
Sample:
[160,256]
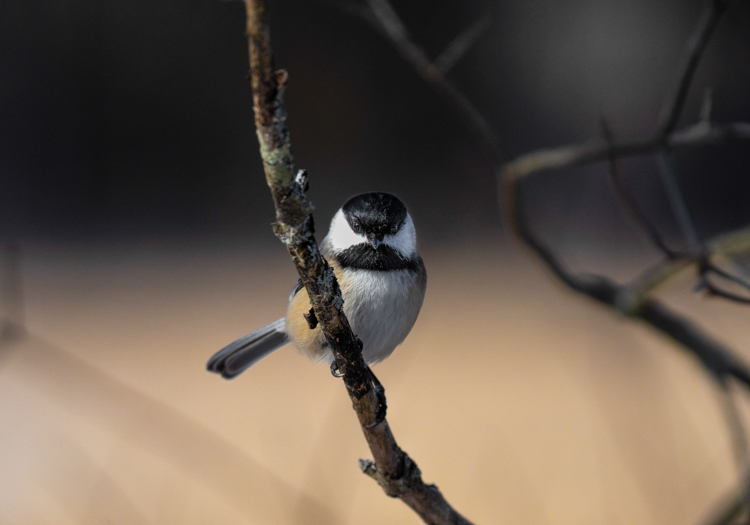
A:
[384,18]
[460,45]
[714,356]
[712,289]
[668,173]
[627,200]
[395,471]
[598,150]
[696,44]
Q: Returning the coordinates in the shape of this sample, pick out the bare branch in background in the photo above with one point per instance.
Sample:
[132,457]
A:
[381,15]
[712,289]
[627,200]
[598,150]
[728,276]
[461,45]
[668,173]
[696,44]
[714,356]
[392,468]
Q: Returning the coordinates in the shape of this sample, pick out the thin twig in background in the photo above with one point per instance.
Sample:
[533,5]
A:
[714,356]
[627,200]
[700,134]
[392,468]
[696,44]
[710,268]
[668,173]
[712,289]
[381,15]
[461,45]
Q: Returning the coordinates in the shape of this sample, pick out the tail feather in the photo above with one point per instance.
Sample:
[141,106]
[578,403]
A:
[240,355]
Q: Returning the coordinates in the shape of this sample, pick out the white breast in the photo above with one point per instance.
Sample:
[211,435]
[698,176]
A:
[381,307]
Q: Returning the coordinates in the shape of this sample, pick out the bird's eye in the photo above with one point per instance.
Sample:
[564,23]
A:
[394,229]
[356,227]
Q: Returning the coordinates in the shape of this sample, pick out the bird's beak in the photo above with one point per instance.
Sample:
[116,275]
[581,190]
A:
[374,241]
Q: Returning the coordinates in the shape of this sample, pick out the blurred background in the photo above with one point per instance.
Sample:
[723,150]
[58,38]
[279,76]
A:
[133,193]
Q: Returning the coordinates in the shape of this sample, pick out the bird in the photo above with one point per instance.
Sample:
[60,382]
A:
[371,246]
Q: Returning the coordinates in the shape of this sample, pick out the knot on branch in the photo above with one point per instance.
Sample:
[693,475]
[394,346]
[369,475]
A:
[302,234]
[410,480]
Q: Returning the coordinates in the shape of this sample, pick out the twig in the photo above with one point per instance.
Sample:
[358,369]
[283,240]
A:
[714,356]
[668,174]
[627,199]
[696,44]
[707,268]
[597,150]
[724,246]
[393,469]
[710,268]
[712,289]
[384,18]
[460,45]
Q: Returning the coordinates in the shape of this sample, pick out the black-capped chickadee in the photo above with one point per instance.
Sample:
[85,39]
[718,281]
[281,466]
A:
[372,248]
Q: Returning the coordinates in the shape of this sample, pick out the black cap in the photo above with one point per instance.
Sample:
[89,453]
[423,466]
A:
[375,214]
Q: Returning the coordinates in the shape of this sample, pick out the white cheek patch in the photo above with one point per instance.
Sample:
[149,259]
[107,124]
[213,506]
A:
[405,240]
[341,236]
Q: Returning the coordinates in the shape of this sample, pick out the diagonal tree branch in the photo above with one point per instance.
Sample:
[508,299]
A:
[392,468]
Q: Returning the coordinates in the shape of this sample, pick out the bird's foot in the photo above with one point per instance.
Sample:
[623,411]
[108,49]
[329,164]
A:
[336,369]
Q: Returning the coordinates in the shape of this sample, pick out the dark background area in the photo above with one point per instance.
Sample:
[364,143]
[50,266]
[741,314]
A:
[133,120]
